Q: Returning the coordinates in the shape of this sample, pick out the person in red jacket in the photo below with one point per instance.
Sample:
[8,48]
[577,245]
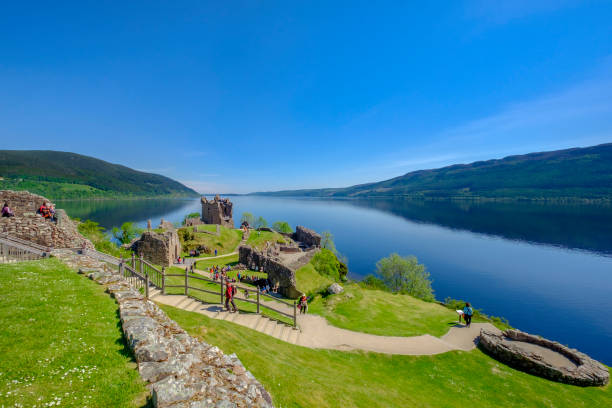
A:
[229,296]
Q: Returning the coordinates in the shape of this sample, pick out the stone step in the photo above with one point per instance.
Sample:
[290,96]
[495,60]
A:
[255,322]
[187,305]
[261,324]
[222,315]
[196,305]
[153,292]
[184,300]
[286,333]
[293,336]
[231,317]
[244,319]
[278,330]
[270,327]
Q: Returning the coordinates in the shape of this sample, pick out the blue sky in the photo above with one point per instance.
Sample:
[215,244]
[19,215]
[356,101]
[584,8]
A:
[254,96]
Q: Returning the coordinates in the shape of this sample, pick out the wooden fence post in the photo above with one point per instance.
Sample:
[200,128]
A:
[186,282]
[121,269]
[294,314]
[141,265]
[221,292]
[163,280]
[257,300]
[147,286]
[133,262]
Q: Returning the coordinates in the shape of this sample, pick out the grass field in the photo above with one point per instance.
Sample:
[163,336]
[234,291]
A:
[61,342]
[383,313]
[301,377]
[225,243]
[258,239]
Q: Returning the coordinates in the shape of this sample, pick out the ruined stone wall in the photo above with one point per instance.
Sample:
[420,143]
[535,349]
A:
[217,211]
[306,236]
[31,227]
[159,249]
[277,272]
[191,222]
[181,371]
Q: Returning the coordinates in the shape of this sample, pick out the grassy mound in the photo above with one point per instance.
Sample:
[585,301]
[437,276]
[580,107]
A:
[258,239]
[383,313]
[226,242]
[301,377]
[61,341]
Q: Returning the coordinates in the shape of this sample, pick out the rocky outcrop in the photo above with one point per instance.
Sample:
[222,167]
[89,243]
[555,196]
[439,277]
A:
[335,289]
[277,272]
[182,371]
[507,348]
[158,248]
[306,236]
[217,211]
[29,226]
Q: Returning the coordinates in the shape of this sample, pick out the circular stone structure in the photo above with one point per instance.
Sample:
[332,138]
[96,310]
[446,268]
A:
[545,358]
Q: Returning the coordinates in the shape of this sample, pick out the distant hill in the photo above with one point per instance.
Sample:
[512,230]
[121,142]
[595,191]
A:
[59,175]
[582,173]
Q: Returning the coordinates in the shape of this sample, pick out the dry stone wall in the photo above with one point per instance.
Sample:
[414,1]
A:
[27,225]
[181,371]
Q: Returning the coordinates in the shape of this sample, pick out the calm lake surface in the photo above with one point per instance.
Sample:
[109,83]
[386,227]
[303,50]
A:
[547,268]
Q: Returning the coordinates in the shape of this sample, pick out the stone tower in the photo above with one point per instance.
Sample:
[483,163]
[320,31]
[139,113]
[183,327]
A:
[217,211]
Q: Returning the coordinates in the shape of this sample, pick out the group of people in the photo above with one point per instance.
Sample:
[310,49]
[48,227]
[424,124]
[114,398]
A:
[45,210]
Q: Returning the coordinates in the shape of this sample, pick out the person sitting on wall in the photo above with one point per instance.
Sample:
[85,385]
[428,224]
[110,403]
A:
[45,211]
[6,211]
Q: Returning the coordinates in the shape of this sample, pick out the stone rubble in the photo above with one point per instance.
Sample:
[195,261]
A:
[588,372]
[335,289]
[182,371]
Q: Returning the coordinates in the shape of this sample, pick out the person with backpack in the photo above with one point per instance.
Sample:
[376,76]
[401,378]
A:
[467,314]
[230,291]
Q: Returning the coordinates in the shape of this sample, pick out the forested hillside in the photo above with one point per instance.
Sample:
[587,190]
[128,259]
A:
[584,173]
[68,175]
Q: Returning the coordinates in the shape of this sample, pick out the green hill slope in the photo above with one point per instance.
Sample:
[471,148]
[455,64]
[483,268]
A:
[69,175]
[584,173]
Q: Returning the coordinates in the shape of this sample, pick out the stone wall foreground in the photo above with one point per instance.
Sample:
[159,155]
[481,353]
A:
[587,373]
[181,371]
[29,226]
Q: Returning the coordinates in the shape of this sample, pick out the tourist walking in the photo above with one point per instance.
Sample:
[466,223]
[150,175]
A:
[303,304]
[229,296]
[467,314]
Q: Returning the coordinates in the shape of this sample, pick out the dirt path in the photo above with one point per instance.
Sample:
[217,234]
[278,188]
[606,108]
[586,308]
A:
[315,332]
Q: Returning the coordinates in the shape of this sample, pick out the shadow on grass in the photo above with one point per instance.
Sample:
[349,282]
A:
[122,341]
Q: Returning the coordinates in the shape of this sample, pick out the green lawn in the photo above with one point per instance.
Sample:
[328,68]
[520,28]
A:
[383,313]
[61,341]
[301,377]
[225,243]
[258,239]
[309,281]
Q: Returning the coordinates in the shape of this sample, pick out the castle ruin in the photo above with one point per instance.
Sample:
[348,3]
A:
[217,211]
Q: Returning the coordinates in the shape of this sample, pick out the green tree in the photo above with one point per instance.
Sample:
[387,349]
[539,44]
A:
[282,226]
[327,241]
[126,233]
[261,222]
[405,275]
[248,218]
